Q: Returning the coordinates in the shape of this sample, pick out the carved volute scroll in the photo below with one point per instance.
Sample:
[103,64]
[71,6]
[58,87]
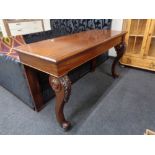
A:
[62,88]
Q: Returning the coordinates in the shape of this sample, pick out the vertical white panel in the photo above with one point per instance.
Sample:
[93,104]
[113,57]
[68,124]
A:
[47,24]
[116,25]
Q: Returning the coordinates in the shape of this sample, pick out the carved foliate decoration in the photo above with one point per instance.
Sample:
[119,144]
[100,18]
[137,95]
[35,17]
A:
[120,48]
[61,83]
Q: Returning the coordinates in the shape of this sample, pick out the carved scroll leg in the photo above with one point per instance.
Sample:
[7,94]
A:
[120,49]
[62,88]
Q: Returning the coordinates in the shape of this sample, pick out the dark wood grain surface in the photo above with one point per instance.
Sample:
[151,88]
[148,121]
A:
[60,55]
[58,49]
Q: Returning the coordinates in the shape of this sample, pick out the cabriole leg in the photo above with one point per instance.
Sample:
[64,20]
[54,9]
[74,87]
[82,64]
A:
[120,49]
[62,88]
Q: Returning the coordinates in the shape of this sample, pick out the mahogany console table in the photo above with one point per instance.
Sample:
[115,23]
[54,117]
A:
[58,56]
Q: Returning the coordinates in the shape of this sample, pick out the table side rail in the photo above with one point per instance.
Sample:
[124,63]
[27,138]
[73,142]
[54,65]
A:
[73,62]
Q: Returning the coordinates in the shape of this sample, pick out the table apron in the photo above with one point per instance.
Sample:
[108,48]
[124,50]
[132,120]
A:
[73,62]
[63,67]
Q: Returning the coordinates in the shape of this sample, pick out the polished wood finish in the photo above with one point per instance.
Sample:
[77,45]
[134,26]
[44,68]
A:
[60,55]
[34,88]
[62,88]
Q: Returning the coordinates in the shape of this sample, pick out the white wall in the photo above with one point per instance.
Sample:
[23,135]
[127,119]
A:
[47,24]
[116,25]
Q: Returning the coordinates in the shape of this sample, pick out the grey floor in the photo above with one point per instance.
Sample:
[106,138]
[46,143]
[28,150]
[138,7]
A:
[98,105]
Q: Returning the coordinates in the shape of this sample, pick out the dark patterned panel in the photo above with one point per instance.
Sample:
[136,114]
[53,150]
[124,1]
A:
[61,27]
[67,26]
[39,36]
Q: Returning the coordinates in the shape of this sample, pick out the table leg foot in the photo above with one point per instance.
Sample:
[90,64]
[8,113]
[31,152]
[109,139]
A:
[66,125]
[120,49]
[62,88]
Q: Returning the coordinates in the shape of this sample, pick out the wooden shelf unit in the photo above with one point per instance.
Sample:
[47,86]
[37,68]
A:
[140,41]
[134,44]
[152,48]
[138,26]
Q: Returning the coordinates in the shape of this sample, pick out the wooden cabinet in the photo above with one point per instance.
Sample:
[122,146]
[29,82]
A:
[23,26]
[140,41]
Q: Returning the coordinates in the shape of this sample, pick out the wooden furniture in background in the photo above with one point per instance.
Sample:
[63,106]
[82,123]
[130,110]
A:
[140,41]
[60,55]
[15,27]
[149,132]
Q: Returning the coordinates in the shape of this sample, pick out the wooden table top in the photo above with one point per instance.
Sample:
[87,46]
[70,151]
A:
[58,49]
